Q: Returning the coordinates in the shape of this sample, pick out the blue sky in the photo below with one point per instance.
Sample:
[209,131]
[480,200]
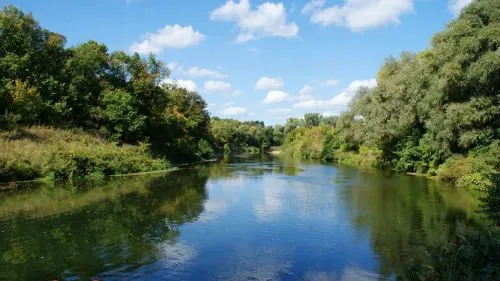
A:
[257,60]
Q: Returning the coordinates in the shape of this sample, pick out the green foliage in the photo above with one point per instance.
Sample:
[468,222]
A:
[367,157]
[468,172]
[431,105]
[305,143]
[233,135]
[120,117]
[312,119]
[205,150]
[38,152]
[119,95]
[331,145]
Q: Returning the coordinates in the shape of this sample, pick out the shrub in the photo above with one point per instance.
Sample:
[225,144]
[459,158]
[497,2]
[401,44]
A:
[458,166]
[367,157]
[205,150]
[472,172]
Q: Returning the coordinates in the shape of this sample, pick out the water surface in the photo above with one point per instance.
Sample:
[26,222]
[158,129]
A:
[246,220]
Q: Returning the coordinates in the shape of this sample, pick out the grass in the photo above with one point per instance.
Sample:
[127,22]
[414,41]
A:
[42,152]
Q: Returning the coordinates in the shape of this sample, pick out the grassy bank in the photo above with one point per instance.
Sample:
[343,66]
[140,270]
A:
[42,152]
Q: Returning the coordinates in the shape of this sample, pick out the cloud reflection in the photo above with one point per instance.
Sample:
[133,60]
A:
[349,273]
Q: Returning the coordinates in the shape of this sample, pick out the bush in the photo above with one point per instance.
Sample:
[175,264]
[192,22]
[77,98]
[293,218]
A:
[305,143]
[331,144]
[467,172]
[205,150]
[367,157]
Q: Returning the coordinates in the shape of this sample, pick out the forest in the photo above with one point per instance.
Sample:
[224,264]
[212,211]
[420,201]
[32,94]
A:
[72,112]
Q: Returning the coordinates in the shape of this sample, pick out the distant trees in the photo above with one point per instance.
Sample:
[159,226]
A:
[118,95]
[230,134]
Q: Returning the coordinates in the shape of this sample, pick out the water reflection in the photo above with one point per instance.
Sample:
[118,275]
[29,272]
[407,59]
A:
[118,227]
[250,219]
[403,215]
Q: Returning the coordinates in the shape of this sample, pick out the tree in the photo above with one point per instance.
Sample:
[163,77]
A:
[312,119]
[120,117]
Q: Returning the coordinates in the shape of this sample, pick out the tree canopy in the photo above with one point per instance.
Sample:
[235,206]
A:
[118,95]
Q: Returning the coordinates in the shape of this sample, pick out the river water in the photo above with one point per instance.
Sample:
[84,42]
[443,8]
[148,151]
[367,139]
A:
[250,219]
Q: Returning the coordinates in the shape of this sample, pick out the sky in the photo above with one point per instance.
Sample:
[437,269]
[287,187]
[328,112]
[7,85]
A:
[257,60]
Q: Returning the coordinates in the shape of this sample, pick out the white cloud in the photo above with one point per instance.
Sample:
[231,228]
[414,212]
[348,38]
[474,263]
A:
[359,15]
[306,90]
[195,71]
[456,6]
[275,97]
[339,101]
[356,84]
[205,72]
[269,83]
[331,83]
[170,36]
[189,85]
[211,105]
[217,86]
[312,6]
[268,19]
[172,66]
[234,111]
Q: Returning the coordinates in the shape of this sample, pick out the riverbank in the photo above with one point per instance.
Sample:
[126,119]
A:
[47,153]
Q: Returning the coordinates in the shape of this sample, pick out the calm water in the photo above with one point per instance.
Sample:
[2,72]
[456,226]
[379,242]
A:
[250,220]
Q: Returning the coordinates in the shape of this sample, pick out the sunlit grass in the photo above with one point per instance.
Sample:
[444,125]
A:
[38,152]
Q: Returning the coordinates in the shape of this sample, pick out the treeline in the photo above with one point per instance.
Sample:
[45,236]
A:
[436,112]
[231,135]
[112,94]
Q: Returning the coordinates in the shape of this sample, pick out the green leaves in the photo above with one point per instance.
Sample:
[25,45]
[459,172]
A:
[446,95]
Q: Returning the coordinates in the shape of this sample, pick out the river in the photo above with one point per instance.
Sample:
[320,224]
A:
[249,219]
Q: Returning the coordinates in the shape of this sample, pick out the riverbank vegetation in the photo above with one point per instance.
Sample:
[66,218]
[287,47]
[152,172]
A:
[41,152]
[94,111]
[436,112]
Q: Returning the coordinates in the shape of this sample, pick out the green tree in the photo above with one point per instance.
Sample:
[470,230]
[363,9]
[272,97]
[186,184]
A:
[312,119]
[119,116]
